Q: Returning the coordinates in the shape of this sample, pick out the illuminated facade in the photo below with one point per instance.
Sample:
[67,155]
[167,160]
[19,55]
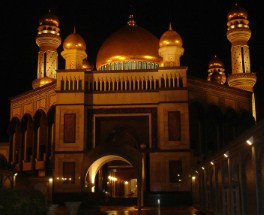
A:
[135,126]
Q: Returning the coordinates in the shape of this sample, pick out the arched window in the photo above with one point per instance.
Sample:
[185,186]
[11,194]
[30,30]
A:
[119,65]
[129,65]
[148,65]
[115,66]
[139,65]
[67,85]
[124,65]
[75,84]
[71,85]
[134,65]
[62,84]
[144,65]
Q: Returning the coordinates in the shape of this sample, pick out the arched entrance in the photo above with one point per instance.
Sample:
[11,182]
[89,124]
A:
[115,170]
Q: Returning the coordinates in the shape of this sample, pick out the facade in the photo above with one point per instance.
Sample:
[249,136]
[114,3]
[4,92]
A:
[137,125]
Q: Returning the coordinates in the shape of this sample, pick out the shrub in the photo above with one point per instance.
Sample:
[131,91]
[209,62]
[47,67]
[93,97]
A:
[22,202]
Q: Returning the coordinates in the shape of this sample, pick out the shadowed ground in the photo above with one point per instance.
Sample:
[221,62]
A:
[119,210]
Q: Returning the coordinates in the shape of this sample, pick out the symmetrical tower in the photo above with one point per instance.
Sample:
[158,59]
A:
[216,71]
[48,40]
[74,51]
[238,33]
[171,48]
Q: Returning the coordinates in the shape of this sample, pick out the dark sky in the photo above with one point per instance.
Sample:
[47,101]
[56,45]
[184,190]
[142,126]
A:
[201,24]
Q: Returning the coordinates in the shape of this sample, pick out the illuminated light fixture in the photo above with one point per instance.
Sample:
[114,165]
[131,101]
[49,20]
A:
[58,178]
[119,57]
[125,182]
[202,168]
[15,174]
[249,142]
[112,178]
[196,171]
[148,57]
[212,163]
[50,180]
[193,177]
[226,155]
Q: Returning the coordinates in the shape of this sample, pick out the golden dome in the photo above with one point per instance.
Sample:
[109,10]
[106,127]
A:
[237,12]
[49,19]
[215,63]
[216,71]
[42,81]
[170,38]
[130,43]
[74,41]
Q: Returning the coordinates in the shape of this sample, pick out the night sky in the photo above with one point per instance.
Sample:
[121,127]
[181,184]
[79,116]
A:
[201,24]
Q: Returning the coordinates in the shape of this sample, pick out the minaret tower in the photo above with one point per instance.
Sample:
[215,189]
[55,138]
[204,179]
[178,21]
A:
[48,40]
[239,33]
[170,50]
[74,51]
[216,71]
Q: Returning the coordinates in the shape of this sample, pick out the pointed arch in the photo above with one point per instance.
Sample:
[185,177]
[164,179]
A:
[50,139]
[27,141]
[103,153]
[40,139]
[15,143]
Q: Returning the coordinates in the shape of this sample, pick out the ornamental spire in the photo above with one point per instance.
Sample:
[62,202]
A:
[131,22]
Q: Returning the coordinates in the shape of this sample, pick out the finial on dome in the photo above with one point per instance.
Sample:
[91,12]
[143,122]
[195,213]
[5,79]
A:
[131,22]
[170,28]
[74,29]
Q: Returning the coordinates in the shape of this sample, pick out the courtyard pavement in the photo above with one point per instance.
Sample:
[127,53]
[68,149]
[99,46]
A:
[123,210]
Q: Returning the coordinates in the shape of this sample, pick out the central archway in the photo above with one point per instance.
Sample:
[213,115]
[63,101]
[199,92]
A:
[96,158]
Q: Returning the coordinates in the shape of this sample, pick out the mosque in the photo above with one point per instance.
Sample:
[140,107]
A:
[135,125]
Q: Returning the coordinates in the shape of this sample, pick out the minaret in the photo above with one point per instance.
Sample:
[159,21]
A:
[74,51]
[48,40]
[171,48]
[216,71]
[239,33]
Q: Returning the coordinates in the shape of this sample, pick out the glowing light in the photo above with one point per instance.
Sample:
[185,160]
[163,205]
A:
[126,182]
[148,57]
[119,57]
[249,142]
[202,168]
[212,163]
[193,178]
[15,174]
[226,155]
[111,178]
[50,180]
